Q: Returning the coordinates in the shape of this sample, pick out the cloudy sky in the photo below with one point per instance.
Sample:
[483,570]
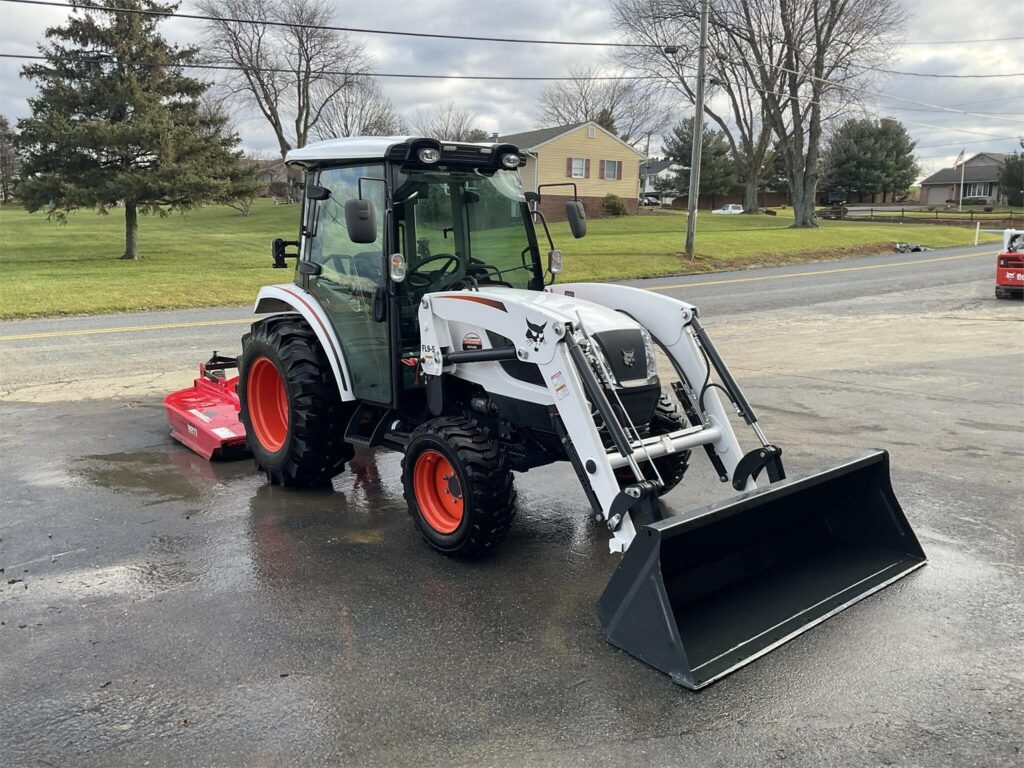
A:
[508,107]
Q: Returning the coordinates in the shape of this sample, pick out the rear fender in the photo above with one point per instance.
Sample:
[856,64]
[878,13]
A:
[291,299]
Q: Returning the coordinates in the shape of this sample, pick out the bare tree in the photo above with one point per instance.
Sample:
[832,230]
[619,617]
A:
[287,63]
[806,59]
[447,121]
[669,32]
[629,108]
[360,109]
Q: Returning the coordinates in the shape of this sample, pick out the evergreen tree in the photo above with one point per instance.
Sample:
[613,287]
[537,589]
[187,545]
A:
[866,157]
[718,174]
[1011,179]
[116,120]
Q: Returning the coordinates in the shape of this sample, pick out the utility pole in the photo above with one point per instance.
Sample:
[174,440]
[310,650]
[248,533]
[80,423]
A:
[698,131]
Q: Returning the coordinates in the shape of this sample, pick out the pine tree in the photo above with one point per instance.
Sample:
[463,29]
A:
[865,156]
[116,120]
[718,174]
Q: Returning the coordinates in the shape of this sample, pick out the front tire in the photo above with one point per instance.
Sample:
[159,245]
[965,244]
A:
[458,487]
[290,406]
[671,466]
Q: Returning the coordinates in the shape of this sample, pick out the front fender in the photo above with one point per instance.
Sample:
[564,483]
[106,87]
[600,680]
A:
[291,299]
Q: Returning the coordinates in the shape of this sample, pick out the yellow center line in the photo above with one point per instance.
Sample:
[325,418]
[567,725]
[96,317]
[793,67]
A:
[246,321]
[123,329]
[812,274]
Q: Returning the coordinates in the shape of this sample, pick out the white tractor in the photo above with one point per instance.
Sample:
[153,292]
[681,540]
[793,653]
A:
[424,318]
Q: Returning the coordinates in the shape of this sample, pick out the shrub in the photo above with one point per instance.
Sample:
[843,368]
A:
[988,209]
[614,205]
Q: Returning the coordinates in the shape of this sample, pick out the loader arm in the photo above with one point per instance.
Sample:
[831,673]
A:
[573,384]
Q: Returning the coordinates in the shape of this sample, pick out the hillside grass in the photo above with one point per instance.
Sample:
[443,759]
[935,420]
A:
[214,256]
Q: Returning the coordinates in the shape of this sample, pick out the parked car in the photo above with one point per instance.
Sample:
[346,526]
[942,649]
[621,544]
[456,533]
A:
[730,208]
[650,200]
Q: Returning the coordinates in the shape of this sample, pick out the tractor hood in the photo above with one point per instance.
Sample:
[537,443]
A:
[532,315]
[596,318]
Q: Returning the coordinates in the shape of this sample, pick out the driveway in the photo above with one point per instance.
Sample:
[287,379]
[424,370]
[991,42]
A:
[158,609]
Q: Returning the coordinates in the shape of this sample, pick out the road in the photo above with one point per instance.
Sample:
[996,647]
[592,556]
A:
[159,608]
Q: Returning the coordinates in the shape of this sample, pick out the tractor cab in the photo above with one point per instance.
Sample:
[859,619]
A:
[386,221]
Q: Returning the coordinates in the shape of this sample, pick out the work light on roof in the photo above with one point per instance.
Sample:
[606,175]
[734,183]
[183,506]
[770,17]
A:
[429,155]
[510,160]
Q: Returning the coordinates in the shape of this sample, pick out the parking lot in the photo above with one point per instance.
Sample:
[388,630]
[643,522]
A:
[158,609]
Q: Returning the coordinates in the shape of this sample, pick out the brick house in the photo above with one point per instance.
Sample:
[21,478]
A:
[598,162]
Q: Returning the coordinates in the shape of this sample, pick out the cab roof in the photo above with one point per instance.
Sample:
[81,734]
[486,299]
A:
[357,148]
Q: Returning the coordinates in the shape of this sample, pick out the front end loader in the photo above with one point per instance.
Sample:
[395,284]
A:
[424,319]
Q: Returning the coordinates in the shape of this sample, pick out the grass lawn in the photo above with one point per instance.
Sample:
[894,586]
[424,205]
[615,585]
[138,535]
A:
[214,256]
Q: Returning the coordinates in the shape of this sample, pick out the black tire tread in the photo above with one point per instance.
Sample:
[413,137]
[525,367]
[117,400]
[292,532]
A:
[490,490]
[672,466]
[316,450]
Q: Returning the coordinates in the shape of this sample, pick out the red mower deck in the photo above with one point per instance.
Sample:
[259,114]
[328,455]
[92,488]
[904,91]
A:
[204,417]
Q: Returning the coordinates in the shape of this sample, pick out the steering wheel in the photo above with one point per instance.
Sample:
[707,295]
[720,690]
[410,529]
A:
[420,281]
[488,273]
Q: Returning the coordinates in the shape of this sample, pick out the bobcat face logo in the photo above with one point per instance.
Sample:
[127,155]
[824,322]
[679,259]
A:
[535,334]
[629,357]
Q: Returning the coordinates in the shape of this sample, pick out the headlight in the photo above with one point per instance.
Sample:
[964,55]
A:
[429,155]
[652,362]
[510,160]
[601,360]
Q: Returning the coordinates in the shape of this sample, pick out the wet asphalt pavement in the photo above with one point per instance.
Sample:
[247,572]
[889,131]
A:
[158,609]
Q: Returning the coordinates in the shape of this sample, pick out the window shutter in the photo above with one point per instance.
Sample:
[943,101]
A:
[618,171]
[586,168]
[603,163]
[568,167]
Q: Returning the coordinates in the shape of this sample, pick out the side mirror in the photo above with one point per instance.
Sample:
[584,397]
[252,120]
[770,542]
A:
[361,221]
[577,217]
[318,193]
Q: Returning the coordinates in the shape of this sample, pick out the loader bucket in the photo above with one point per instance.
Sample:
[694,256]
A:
[700,595]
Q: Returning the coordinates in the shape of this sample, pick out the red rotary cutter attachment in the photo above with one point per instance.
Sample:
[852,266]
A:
[204,417]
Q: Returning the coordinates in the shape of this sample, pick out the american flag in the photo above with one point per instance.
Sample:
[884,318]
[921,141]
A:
[959,159]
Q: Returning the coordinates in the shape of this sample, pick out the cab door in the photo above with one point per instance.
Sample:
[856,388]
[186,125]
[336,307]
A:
[349,275]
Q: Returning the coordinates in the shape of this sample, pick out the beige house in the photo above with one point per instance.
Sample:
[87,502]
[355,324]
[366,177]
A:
[980,175]
[586,154]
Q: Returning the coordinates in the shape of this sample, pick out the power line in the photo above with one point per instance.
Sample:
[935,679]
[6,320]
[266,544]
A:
[868,92]
[963,42]
[942,76]
[431,35]
[410,75]
[332,28]
[961,143]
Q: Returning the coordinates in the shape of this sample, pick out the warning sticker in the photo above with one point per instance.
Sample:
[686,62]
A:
[472,341]
[223,432]
[558,384]
[200,415]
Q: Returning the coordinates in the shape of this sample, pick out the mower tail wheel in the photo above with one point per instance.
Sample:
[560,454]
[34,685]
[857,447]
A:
[290,406]
[458,487]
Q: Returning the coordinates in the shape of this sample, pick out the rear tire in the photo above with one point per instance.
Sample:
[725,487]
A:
[293,414]
[458,487]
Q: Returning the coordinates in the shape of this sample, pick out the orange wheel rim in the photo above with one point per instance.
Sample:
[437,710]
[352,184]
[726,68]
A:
[438,491]
[268,404]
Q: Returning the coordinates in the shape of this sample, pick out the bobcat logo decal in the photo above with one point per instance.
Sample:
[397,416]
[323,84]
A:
[629,357]
[535,334]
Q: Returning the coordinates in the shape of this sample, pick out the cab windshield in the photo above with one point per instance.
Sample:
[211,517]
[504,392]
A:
[463,229]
